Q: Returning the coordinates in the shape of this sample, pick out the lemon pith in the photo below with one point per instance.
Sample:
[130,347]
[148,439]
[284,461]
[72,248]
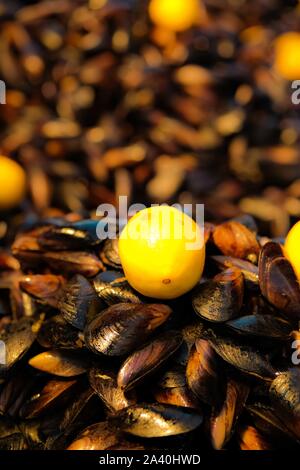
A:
[12,183]
[159,255]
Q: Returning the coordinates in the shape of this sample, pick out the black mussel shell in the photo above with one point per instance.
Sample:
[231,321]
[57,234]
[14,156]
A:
[44,287]
[122,327]
[172,389]
[64,238]
[223,419]
[104,383]
[243,355]
[73,262]
[278,281]
[204,373]
[58,334]
[112,288]
[220,299]
[251,438]
[110,253]
[152,420]
[16,339]
[60,362]
[285,394]
[98,436]
[261,325]
[79,302]
[55,392]
[147,359]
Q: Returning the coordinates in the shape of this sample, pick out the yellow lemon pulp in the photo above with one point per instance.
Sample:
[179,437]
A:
[12,183]
[292,248]
[287,55]
[162,252]
[175,15]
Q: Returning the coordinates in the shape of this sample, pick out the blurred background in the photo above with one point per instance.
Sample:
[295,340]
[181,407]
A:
[161,101]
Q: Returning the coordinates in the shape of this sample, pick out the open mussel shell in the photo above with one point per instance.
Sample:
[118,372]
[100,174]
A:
[261,325]
[55,392]
[172,389]
[243,355]
[17,339]
[57,333]
[251,438]
[44,287]
[122,327]
[98,436]
[156,420]
[223,418]
[278,281]
[149,358]
[204,373]
[235,239]
[64,238]
[285,394]
[220,299]
[104,383]
[63,363]
[79,302]
[112,288]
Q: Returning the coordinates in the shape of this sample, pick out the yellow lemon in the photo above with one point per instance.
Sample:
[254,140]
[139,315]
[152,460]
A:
[162,252]
[12,183]
[292,248]
[175,15]
[287,55]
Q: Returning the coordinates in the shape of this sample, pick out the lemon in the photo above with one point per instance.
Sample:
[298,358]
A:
[162,252]
[287,55]
[174,15]
[292,248]
[12,183]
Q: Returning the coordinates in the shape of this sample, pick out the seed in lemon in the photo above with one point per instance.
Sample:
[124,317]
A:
[162,252]
[12,183]
[292,248]
[287,55]
[175,15]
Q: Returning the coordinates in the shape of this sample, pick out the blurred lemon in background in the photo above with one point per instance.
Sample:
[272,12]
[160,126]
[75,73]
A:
[292,248]
[287,55]
[162,252]
[175,15]
[12,183]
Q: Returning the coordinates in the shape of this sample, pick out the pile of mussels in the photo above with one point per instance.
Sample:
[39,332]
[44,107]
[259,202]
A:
[91,364]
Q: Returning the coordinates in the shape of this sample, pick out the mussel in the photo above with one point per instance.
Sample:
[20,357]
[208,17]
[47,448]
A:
[147,359]
[63,363]
[122,327]
[223,418]
[172,389]
[104,383]
[204,373]
[235,239]
[243,355]
[278,281]
[285,394]
[220,299]
[152,420]
[79,302]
